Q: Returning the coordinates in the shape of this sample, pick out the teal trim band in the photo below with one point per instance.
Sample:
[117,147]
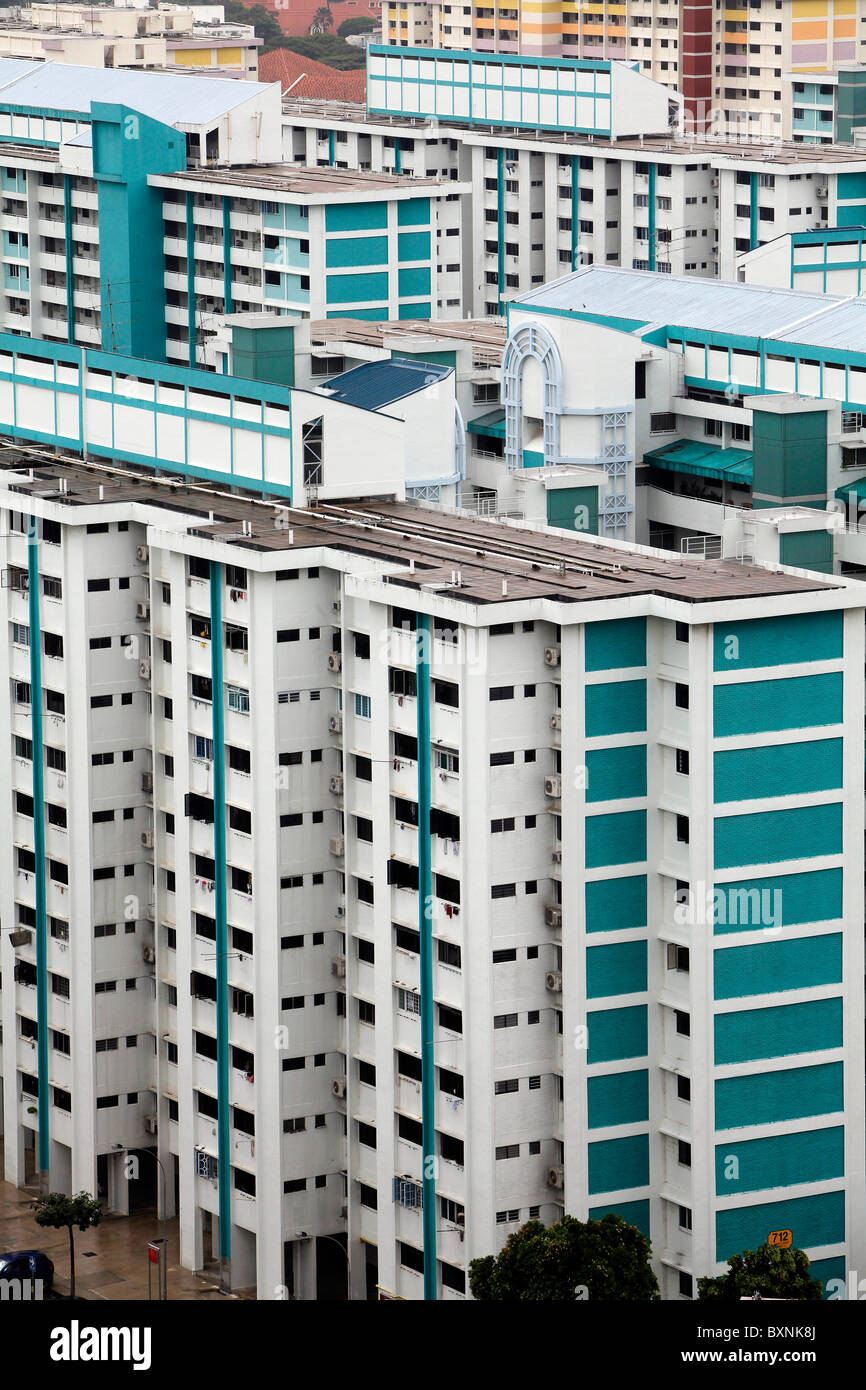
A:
[425,929]
[651,220]
[398,156]
[219,821]
[753,211]
[39,839]
[190,276]
[227,254]
[332,148]
[500,224]
[70,268]
[575,211]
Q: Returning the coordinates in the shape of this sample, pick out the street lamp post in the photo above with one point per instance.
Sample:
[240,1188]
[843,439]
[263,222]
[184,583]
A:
[158,1162]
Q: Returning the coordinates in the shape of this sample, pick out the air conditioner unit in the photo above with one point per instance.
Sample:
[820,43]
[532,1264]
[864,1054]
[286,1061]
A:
[150,1124]
[714,183]
[336,605]
[556,856]
[341,909]
[148,955]
[821,192]
[147,839]
[338,1087]
[335,724]
[20,938]
[556,721]
[553,785]
[142,553]
[556,1176]
[338,966]
[553,981]
[336,784]
[147,781]
[336,844]
[553,916]
[144,669]
[335,662]
[142,611]
[551,656]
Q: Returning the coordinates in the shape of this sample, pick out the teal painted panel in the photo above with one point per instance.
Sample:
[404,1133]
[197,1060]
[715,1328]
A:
[356,217]
[783,769]
[854,215]
[826,1270]
[780,1160]
[813,1221]
[762,706]
[357,289]
[767,1098]
[615,1164]
[413,246]
[618,969]
[616,904]
[781,1031]
[370,315]
[413,212]
[635,1213]
[616,773]
[418,309]
[616,839]
[413,281]
[621,642]
[802,832]
[777,641]
[618,707]
[773,966]
[356,250]
[620,1098]
[614,1034]
[785,900]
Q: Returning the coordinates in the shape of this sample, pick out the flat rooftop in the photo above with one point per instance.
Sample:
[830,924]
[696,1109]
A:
[413,334]
[432,546]
[376,384]
[690,149]
[720,306]
[303,182]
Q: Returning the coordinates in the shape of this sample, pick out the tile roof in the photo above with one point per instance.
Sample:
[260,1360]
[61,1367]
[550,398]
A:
[308,78]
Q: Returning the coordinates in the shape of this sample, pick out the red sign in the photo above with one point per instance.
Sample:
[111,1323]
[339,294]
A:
[153,1254]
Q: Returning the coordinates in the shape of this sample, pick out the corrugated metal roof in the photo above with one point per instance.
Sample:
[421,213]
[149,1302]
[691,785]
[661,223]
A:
[751,311]
[170,97]
[706,460]
[375,384]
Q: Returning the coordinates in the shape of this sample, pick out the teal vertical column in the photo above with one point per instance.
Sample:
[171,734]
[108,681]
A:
[425,929]
[331,148]
[227,254]
[70,267]
[651,210]
[39,845]
[753,211]
[398,156]
[575,211]
[219,824]
[190,276]
[500,223]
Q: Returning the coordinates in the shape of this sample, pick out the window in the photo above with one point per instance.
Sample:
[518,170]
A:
[683,830]
[684,1218]
[684,1088]
[684,1023]
[681,631]
[238,699]
[682,762]
[663,423]
[362,706]
[681,696]
[684,1153]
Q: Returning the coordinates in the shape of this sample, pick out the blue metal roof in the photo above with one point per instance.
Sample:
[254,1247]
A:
[173,98]
[754,311]
[376,384]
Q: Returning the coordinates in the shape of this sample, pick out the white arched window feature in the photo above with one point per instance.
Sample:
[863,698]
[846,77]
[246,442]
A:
[531,340]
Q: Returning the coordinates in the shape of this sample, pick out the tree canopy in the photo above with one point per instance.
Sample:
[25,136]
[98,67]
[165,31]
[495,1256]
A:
[264,22]
[769,1271]
[606,1260]
[359,24]
[334,52]
[66,1213]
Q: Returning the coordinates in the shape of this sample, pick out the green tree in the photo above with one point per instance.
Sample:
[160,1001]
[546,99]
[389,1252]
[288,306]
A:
[769,1271]
[326,48]
[59,1211]
[361,24]
[265,24]
[603,1261]
[322,20]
